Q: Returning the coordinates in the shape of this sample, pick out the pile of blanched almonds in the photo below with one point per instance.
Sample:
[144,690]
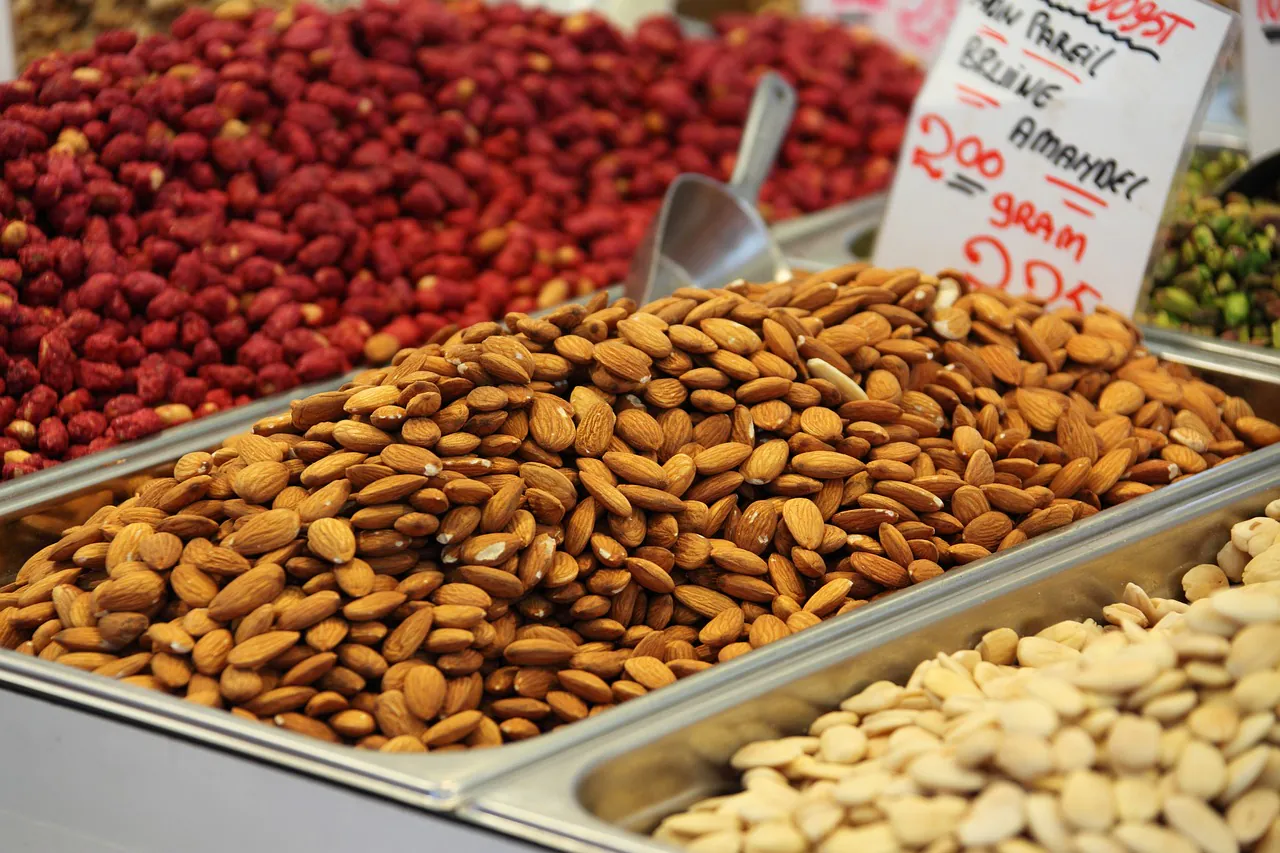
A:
[1153,731]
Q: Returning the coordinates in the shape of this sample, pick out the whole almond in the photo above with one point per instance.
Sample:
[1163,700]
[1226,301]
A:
[551,423]
[260,482]
[408,459]
[766,462]
[830,596]
[876,568]
[1122,398]
[308,611]
[160,550]
[538,652]
[126,545]
[259,650]
[649,671]
[988,529]
[424,691]
[266,531]
[331,539]
[1107,471]
[766,629]
[247,593]
[724,628]
[721,458]
[1041,407]
[134,591]
[804,520]
[824,464]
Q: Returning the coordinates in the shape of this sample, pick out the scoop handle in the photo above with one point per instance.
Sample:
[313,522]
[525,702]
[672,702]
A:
[772,107]
[1260,180]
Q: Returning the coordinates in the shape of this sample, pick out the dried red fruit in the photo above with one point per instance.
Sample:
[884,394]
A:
[251,203]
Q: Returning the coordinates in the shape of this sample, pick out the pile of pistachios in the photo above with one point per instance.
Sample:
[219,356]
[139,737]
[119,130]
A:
[1219,270]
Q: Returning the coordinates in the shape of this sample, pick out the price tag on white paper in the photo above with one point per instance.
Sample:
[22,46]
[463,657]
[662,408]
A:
[1260,20]
[1042,147]
[916,27]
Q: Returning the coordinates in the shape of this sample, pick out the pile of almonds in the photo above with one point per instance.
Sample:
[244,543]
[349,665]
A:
[534,521]
[1153,733]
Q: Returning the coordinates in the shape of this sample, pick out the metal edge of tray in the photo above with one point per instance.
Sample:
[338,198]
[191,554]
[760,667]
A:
[825,237]
[36,489]
[543,802]
[1245,358]
[440,782]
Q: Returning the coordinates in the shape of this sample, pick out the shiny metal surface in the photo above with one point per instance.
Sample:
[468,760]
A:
[830,236]
[82,783]
[1234,366]
[603,796]
[706,233]
[434,782]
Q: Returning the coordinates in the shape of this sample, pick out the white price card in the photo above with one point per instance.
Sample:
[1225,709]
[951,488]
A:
[1042,147]
[915,27]
[1261,46]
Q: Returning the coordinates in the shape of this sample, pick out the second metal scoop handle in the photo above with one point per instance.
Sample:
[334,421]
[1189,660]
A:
[1261,179]
[772,107]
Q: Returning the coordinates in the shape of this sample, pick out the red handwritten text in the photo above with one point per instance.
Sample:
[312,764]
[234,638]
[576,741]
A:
[1143,18]
[1012,213]
[926,24]
[1038,278]
[969,152]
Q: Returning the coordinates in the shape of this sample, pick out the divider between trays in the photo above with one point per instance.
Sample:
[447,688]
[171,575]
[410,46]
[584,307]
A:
[542,802]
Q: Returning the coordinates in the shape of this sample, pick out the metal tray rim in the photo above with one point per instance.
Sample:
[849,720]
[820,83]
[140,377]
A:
[1207,351]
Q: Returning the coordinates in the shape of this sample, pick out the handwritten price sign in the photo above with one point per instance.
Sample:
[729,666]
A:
[1045,141]
[1261,43]
[917,27]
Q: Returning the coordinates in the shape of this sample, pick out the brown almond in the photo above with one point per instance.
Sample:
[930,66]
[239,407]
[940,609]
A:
[1106,472]
[266,531]
[804,521]
[331,539]
[260,650]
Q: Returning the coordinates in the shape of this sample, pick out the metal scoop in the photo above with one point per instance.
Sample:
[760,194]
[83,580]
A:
[1260,180]
[707,233]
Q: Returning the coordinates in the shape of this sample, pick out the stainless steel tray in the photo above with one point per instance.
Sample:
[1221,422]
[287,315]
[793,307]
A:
[603,795]
[834,236]
[433,782]
[441,782]
[81,783]
[1233,367]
